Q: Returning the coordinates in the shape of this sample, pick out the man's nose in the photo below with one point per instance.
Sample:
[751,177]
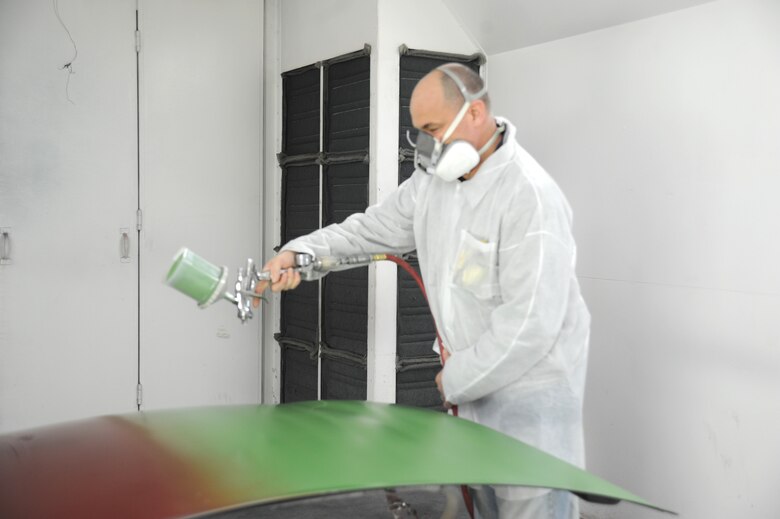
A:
[438,134]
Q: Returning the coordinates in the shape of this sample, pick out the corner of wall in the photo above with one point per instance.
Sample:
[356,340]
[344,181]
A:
[271,182]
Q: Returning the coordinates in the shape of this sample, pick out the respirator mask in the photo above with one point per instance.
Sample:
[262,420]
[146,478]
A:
[450,160]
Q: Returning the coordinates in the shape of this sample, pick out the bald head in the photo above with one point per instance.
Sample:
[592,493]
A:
[437,98]
[437,91]
[469,79]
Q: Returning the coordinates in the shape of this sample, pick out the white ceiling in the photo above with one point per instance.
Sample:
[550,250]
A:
[503,25]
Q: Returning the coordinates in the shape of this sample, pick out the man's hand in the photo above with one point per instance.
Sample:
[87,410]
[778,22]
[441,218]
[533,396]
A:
[281,279]
[447,405]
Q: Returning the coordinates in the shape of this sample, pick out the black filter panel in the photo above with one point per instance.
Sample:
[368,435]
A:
[300,215]
[417,387]
[347,105]
[301,111]
[413,68]
[300,308]
[345,191]
[300,200]
[299,375]
[343,380]
[344,310]
[416,332]
[405,170]
[345,294]
[344,158]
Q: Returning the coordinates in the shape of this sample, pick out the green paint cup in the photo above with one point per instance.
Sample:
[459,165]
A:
[193,276]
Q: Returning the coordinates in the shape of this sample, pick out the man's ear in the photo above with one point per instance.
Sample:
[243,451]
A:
[478,111]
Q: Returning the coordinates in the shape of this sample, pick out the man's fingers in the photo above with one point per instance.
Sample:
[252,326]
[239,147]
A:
[293,280]
[278,284]
[259,289]
[440,387]
[276,273]
[290,280]
[286,282]
[281,273]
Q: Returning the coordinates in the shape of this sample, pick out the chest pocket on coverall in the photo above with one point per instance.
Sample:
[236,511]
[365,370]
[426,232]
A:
[475,267]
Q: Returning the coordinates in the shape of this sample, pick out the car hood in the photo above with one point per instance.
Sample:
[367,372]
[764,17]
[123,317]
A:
[178,463]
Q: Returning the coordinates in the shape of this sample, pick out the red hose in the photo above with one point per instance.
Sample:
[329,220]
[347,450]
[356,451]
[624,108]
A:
[408,268]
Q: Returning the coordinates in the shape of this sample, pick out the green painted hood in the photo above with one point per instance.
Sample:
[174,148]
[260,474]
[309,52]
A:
[183,462]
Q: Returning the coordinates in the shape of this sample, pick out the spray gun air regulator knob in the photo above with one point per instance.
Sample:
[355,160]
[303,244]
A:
[303,260]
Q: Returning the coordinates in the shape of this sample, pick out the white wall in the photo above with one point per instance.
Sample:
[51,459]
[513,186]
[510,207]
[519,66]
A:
[201,88]
[316,31]
[303,33]
[68,184]
[664,134]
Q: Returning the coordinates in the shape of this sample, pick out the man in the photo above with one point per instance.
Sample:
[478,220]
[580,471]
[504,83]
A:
[493,235]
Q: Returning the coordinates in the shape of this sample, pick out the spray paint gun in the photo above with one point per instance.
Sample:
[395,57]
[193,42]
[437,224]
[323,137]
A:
[206,283]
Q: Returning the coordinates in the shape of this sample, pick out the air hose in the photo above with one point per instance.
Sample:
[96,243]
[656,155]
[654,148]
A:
[408,268]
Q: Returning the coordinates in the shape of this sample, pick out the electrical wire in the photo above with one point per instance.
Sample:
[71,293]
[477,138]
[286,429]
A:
[69,65]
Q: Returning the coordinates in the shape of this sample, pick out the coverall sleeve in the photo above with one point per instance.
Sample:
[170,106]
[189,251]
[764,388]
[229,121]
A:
[536,258]
[384,227]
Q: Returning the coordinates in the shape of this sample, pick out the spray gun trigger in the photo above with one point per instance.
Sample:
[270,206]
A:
[248,293]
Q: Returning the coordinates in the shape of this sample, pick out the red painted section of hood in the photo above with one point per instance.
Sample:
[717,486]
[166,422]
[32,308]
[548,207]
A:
[52,467]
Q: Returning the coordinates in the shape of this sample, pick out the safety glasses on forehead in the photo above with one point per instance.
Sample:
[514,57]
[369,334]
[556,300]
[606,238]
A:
[450,160]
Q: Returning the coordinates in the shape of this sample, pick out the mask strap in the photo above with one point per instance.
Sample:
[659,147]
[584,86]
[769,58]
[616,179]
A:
[455,122]
[499,130]
[468,98]
[409,139]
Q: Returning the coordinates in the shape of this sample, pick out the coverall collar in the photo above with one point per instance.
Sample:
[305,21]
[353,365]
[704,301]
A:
[476,187]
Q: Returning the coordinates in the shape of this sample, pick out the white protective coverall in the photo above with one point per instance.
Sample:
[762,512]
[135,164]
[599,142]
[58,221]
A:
[498,260]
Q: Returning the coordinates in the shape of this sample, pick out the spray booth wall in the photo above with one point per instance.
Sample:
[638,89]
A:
[663,134]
